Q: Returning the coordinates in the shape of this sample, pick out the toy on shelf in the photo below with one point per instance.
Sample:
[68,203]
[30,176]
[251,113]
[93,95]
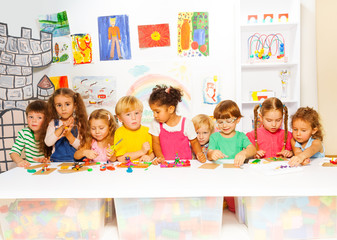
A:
[284,74]
[283,17]
[252,18]
[261,95]
[263,47]
[177,163]
[268,18]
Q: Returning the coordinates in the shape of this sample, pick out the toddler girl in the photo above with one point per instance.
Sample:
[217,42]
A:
[100,139]
[307,136]
[171,134]
[204,126]
[67,127]
[270,140]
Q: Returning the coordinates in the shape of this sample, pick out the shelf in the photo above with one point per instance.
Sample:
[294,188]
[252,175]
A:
[268,26]
[268,65]
[257,102]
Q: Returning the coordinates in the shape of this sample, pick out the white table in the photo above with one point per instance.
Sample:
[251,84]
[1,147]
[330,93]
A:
[158,182]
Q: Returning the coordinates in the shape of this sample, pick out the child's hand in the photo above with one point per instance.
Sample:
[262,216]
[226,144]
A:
[42,160]
[260,154]
[201,157]
[306,162]
[145,158]
[110,153]
[70,121]
[295,161]
[23,163]
[285,153]
[239,159]
[158,160]
[146,147]
[216,154]
[90,154]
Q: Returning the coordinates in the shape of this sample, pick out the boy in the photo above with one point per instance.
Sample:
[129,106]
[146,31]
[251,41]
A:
[204,127]
[228,143]
[29,137]
[137,142]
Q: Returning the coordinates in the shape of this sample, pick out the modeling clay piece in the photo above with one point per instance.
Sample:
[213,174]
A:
[89,169]
[102,167]
[177,163]
[110,167]
[134,164]
[275,159]
[256,161]
[129,170]
[31,170]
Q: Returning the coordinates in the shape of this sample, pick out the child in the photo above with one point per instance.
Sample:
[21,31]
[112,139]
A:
[135,140]
[67,126]
[29,137]
[307,136]
[102,127]
[171,134]
[204,127]
[229,143]
[270,140]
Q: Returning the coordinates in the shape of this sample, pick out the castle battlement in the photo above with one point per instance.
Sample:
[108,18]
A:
[18,57]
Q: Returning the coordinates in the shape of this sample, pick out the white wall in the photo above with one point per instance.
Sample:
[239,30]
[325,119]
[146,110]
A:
[221,62]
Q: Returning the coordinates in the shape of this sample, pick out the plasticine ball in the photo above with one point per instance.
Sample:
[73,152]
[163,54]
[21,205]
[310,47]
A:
[194,45]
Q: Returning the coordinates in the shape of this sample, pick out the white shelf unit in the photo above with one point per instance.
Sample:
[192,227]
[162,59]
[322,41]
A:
[261,74]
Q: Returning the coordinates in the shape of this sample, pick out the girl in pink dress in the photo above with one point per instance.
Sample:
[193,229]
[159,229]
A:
[269,139]
[171,134]
[102,127]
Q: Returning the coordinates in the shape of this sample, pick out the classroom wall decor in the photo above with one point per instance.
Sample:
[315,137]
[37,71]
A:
[157,35]
[61,49]
[82,48]
[96,91]
[114,37]
[19,55]
[193,38]
[56,23]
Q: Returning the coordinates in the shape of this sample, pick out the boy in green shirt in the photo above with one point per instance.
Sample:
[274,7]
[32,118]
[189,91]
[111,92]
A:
[28,139]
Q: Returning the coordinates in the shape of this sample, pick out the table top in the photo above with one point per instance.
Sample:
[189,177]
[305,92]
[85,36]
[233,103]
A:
[156,182]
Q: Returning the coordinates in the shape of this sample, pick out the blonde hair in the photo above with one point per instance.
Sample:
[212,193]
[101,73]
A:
[227,109]
[110,120]
[128,104]
[311,116]
[268,105]
[203,120]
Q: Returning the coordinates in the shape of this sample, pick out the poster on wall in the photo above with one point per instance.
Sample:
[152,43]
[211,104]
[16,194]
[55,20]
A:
[61,49]
[82,48]
[114,37]
[96,91]
[154,35]
[210,91]
[59,82]
[56,23]
[193,38]
[147,77]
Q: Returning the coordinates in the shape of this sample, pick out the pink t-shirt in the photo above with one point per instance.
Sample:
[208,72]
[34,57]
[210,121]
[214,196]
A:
[269,142]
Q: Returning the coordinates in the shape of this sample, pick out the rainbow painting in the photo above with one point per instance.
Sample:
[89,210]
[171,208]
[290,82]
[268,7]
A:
[142,89]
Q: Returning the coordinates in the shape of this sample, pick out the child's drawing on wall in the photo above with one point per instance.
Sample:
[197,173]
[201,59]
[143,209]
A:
[96,91]
[114,37]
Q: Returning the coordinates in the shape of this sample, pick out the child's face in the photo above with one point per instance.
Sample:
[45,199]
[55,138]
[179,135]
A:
[35,121]
[64,106]
[302,131]
[227,126]
[203,134]
[161,113]
[272,120]
[131,120]
[99,129]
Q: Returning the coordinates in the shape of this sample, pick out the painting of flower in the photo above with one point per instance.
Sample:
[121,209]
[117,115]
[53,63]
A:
[154,35]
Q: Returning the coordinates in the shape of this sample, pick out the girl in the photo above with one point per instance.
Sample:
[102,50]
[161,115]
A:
[171,134]
[307,136]
[67,120]
[270,140]
[100,136]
